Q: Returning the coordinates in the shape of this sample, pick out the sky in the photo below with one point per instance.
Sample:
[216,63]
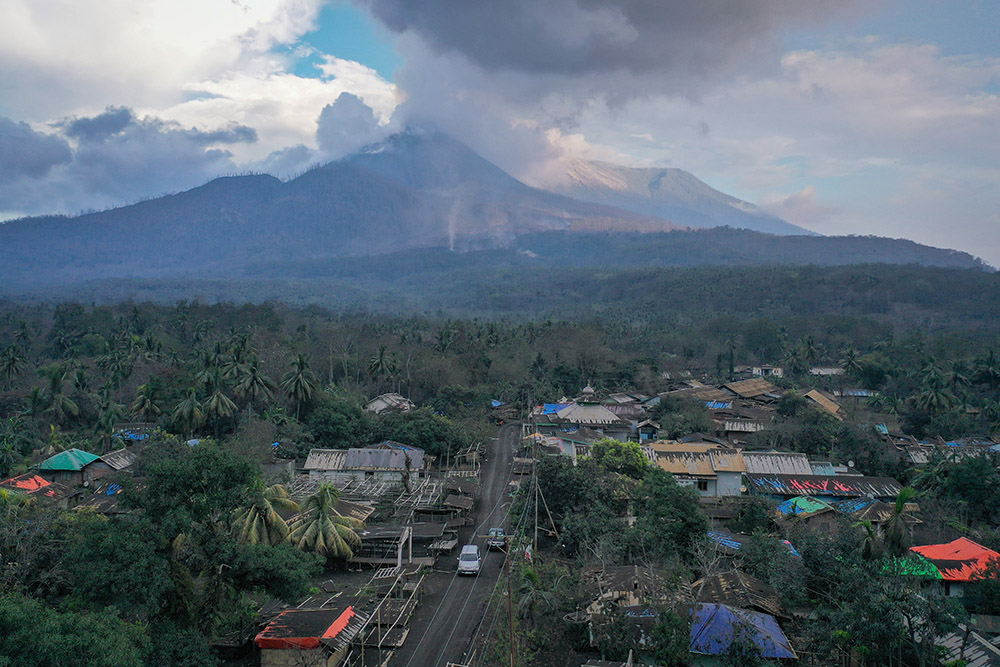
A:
[877,117]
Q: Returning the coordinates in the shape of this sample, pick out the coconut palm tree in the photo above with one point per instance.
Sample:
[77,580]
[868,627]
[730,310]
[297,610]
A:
[253,385]
[850,361]
[897,528]
[323,530]
[218,408]
[188,415]
[12,363]
[300,382]
[146,404]
[531,596]
[871,545]
[260,523]
[988,369]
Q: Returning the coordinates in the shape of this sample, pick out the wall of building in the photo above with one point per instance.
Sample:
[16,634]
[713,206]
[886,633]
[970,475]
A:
[729,483]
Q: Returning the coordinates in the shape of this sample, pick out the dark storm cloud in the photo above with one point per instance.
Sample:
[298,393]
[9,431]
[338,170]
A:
[101,126]
[118,158]
[580,37]
[26,153]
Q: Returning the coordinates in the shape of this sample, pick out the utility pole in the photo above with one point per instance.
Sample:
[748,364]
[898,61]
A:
[510,604]
[534,469]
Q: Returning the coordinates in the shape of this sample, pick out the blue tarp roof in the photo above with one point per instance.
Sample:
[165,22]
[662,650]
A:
[552,408]
[882,428]
[495,403]
[714,628]
[718,405]
[852,505]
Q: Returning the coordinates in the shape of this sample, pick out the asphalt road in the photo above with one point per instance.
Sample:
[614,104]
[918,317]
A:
[452,606]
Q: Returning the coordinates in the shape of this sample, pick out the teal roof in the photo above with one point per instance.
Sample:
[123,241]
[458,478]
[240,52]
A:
[71,459]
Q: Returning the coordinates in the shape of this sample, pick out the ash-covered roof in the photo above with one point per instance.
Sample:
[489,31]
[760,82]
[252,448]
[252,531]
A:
[120,458]
[752,388]
[780,463]
[738,589]
[824,485]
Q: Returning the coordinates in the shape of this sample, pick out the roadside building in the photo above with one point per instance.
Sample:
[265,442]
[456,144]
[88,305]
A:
[387,461]
[391,402]
[712,470]
[309,637]
[960,562]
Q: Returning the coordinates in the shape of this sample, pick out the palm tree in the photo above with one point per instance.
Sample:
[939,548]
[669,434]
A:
[22,337]
[850,361]
[988,370]
[379,366]
[12,363]
[897,528]
[871,545]
[9,457]
[323,530]
[300,382]
[935,397]
[146,404]
[530,595]
[254,385]
[188,414]
[260,522]
[218,408]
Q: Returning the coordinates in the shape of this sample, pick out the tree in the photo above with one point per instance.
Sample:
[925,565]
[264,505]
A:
[626,458]
[259,522]
[12,363]
[146,404]
[253,385]
[897,528]
[850,361]
[188,414]
[321,529]
[300,382]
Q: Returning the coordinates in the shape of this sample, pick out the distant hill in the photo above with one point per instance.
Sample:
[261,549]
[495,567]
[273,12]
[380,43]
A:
[671,194]
[399,200]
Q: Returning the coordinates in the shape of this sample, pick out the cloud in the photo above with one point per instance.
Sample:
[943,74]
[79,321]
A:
[27,153]
[347,125]
[118,157]
[802,208]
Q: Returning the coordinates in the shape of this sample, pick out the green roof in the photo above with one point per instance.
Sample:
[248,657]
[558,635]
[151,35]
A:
[71,459]
[911,565]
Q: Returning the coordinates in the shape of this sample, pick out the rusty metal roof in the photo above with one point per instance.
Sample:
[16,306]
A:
[738,589]
[325,459]
[752,388]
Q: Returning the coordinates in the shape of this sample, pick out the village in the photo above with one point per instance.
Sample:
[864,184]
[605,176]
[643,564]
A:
[395,600]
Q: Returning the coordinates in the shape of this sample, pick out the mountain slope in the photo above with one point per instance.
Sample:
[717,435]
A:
[671,194]
[413,191]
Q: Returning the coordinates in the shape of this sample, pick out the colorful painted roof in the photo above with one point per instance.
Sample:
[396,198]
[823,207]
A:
[70,460]
[803,506]
[714,628]
[824,485]
[305,628]
[959,560]
[27,483]
[911,565]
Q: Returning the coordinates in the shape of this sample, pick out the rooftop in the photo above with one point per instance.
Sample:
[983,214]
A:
[71,460]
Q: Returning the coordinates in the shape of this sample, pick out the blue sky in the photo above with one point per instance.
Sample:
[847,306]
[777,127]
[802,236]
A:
[855,117]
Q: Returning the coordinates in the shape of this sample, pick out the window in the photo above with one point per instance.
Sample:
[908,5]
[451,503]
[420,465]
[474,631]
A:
[702,485]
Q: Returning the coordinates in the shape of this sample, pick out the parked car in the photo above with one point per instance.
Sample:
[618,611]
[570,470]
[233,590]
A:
[496,539]
[469,560]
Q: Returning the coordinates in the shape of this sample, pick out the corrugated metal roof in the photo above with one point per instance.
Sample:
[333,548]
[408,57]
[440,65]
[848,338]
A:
[577,413]
[686,463]
[738,589]
[325,459]
[824,401]
[727,460]
[824,485]
[714,628]
[70,460]
[804,507]
[778,463]
[752,388]
[958,560]
[120,458]
[974,650]
[371,458]
[718,405]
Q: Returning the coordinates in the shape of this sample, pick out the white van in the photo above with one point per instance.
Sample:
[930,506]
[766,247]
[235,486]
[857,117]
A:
[469,561]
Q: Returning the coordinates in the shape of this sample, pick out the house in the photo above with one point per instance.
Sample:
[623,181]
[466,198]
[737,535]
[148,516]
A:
[556,418]
[777,463]
[810,511]
[387,461]
[36,486]
[714,471]
[391,402]
[825,401]
[109,464]
[823,371]
[959,562]
[622,586]
[757,388]
[767,370]
[65,466]
[839,486]
[715,627]
[738,589]
[309,637]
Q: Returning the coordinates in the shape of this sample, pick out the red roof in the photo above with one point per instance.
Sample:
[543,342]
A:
[303,629]
[28,483]
[960,560]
